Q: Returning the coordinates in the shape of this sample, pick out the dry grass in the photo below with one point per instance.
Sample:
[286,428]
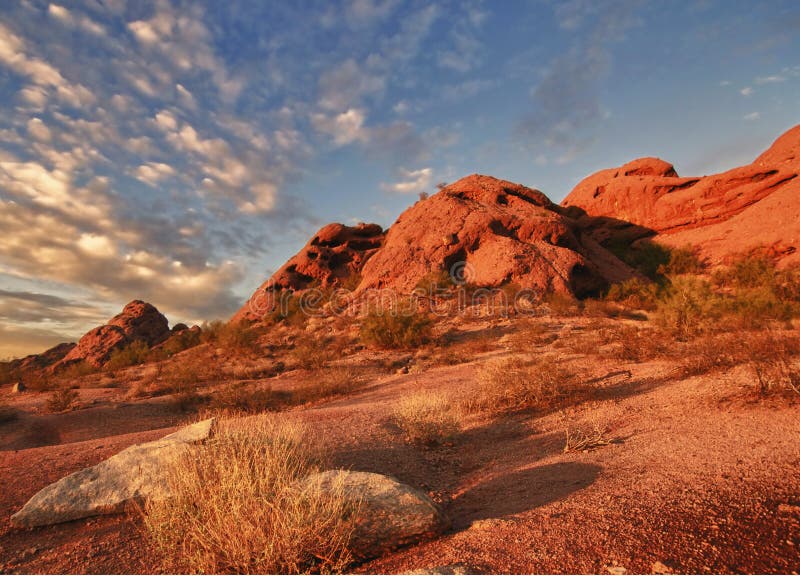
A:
[244,398]
[427,418]
[513,384]
[586,438]
[240,506]
[530,334]
[770,357]
[327,383]
[396,328]
[62,400]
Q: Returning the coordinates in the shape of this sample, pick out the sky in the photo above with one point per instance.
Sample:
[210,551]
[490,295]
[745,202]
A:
[180,152]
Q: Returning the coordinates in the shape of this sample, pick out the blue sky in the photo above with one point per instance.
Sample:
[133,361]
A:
[179,152]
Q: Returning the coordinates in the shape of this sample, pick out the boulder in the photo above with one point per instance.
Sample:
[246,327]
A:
[491,232]
[132,476]
[18,388]
[390,514]
[334,254]
[721,214]
[138,321]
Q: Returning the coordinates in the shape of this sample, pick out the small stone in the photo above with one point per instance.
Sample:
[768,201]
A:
[660,568]
[18,388]
[616,570]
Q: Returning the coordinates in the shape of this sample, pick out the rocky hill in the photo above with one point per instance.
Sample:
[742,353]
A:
[721,214]
[490,231]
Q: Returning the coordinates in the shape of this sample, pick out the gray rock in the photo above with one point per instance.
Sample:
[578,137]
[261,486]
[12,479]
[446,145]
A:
[134,475]
[390,514]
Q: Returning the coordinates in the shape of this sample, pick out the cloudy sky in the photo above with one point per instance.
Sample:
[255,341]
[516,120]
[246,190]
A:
[179,152]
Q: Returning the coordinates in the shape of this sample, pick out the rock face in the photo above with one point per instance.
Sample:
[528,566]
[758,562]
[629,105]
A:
[43,360]
[391,515]
[502,232]
[334,254]
[137,321]
[721,214]
[134,475]
[493,231]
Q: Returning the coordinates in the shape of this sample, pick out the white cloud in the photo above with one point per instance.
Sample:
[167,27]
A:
[154,172]
[346,85]
[746,91]
[80,21]
[13,54]
[39,130]
[412,182]
[166,120]
[752,116]
[344,128]
[774,79]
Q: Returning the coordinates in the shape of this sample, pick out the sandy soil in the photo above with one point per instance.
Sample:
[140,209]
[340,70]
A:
[697,479]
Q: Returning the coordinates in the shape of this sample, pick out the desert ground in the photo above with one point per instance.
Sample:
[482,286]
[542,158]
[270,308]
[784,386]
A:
[690,473]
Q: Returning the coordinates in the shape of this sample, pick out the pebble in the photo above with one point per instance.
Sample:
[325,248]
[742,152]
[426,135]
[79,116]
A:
[660,568]
[616,570]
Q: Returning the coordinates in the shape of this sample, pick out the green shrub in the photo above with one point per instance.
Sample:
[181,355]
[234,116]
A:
[396,328]
[687,306]
[181,341]
[133,354]
[635,293]
[683,261]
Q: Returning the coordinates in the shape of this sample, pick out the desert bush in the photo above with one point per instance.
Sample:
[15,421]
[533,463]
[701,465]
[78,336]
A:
[240,506]
[646,256]
[769,356]
[427,418]
[396,328]
[559,304]
[687,306]
[179,342]
[335,381]
[234,336]
[529,334]
[635,344]
[634,293]
[289,312]
[312,352]
[435,282]
[131,355]
[513,384]
[683,260]
[246,398]
[62,400]
[77,370]
[584,438]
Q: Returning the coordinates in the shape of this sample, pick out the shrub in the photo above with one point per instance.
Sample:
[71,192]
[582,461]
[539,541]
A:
[335,381]
[770,359]
[687,305]
[634,293]
[585,439]
[512,384]
[234,336]
[561,304]
[633,344]
[683,261]
[530,334]
[396,328]
[77,370]
[646,256]
[240,506]
[246,398]
[427,418]
[313,353]
[62,400]
[131,355]
[181,341]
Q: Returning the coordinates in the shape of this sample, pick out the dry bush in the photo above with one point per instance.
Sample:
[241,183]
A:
[240,397]
[62,400]
[312,352]
[635,344]
[559,304]
[513,384]
[427,418]
[769,356]
[77,370]
[396,328]
[584,439]
[710,352]
[634,293]
[463,350]
[239,506]
[336,381]
[529,334]
[133,354]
